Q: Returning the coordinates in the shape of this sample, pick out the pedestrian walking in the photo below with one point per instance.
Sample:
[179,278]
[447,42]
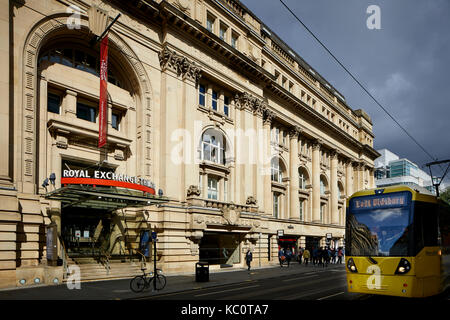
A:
[306,256]
[288,256]
[319,256]
[248,258]
[333,255]
[315,252]
[300,254]
[281,256]
[340,254]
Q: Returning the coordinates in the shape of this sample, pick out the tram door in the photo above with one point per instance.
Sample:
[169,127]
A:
[85,230]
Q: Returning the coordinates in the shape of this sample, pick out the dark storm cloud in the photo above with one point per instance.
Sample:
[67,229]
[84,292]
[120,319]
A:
[405,65]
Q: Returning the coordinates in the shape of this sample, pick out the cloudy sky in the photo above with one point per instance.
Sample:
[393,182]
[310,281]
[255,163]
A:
[405,64]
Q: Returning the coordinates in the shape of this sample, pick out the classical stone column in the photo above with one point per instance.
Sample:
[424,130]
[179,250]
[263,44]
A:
[348,178]
[355,166]
[259,154]
[70,104]
[371,178]
[361,169]
[293,172]
[238,167]
[177,73]
[7,57]
[316,181]
[334,188]
[267,120]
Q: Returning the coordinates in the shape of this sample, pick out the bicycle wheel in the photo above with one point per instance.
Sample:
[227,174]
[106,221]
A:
[137,284]
[160,281]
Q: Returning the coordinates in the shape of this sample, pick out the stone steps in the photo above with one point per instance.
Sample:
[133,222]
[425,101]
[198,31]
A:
[96,271]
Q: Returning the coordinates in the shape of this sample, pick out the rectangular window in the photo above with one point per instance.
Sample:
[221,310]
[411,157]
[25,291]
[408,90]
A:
[226,106]
[210,23]
[115,120]
[321,212]
[214,100]
[223,32]
[53,103]
[201,95]
[212,188]
[234,40]
[86,112]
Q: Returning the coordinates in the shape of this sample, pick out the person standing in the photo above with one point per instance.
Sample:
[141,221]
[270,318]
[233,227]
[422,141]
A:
[248,258]
[306,256]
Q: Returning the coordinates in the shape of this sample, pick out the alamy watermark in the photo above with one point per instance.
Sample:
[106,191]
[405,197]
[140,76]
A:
[374,19]
[74,277]
[74,21]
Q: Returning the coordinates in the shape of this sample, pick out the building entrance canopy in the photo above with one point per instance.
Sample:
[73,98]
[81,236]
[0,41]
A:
[99,197]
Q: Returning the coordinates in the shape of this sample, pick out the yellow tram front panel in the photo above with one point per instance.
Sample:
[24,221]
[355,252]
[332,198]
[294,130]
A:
[423,279]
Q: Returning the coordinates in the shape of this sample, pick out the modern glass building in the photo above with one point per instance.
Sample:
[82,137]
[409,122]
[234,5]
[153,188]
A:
[391,170]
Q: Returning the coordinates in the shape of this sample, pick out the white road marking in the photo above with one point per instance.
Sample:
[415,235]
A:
[235,289]
[333,295]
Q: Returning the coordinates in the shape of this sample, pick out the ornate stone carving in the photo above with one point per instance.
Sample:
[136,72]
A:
[268,116]
[334,153]
[169,59]
[183,5]
[251,201]
[317,144]
[246,101]
[193,191]
[294,132]
[231,215]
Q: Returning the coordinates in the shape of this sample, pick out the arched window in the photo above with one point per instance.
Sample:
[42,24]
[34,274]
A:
[340,190]
[323,186]
[275,169]
[213,146]
[302,178]
[81,59]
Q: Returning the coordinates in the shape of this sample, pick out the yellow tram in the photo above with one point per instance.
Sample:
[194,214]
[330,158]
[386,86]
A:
[397,243]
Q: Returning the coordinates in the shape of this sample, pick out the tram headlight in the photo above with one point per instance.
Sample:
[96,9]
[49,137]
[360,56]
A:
[351,265]
[403,267]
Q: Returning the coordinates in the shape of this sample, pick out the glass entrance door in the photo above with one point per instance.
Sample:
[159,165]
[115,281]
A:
[85,231]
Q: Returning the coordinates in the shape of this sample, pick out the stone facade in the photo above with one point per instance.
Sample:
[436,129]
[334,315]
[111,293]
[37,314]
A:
[241,134]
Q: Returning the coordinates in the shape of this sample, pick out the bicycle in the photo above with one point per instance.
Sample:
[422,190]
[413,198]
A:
[139,283]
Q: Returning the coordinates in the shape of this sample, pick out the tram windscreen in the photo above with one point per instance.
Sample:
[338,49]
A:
[379,225]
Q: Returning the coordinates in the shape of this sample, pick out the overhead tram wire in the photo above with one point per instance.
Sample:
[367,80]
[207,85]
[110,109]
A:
[358,82]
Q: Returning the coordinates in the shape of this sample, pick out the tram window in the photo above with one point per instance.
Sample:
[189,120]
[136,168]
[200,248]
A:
[426,222]
[444,225]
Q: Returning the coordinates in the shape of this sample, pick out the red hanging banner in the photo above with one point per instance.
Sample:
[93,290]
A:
[103,106]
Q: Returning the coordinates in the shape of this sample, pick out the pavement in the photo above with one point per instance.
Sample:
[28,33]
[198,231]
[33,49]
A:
[120,289]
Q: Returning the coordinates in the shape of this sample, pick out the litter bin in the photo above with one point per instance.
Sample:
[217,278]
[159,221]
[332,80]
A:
[202,271]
